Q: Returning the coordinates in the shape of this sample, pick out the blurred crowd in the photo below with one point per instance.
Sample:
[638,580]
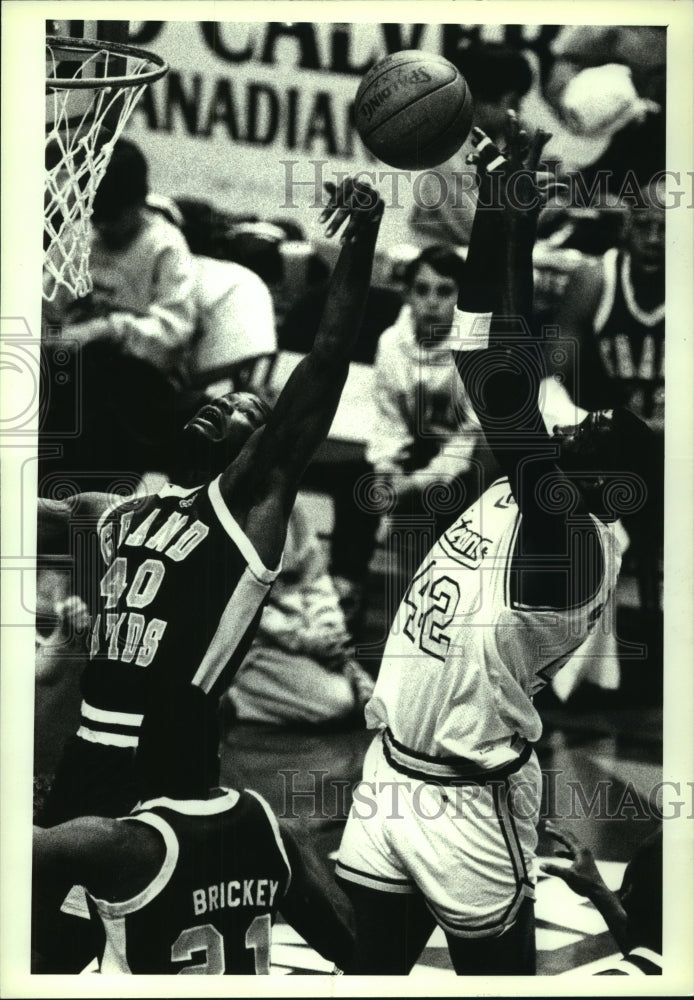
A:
[190,299]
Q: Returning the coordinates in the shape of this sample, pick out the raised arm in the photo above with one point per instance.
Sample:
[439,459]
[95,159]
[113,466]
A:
[306,407]
[503,381]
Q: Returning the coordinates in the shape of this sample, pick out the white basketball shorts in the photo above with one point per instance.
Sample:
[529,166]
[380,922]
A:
[469,848]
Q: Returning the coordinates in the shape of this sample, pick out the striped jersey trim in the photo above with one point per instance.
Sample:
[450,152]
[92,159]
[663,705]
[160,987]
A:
[639,962]
[123,907]
[492,929]
[403,887]
[172,490]
[117,729]
[609,287]
[238,536]
[106,715]
[192,807]
[448,771]
[242,607]
[114,960]
[524,886]
[275,827]
[652,318]
[107,739]
[75,903]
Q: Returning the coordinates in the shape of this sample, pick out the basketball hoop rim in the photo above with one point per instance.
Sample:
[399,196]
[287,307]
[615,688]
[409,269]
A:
[102,83]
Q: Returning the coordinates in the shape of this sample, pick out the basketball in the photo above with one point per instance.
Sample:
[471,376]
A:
[413,110]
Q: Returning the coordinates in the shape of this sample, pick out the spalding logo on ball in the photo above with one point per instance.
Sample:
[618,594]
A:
[413,110]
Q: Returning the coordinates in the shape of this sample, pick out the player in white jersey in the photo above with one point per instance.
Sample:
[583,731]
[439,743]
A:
[443,826]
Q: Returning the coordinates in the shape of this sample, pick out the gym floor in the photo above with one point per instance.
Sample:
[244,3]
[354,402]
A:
[619,746]
[598,743]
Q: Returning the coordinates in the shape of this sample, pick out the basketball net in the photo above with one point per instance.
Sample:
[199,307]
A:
[89,98]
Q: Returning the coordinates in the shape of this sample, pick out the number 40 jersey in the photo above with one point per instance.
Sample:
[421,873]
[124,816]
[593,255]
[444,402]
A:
[180,593]
[463,660]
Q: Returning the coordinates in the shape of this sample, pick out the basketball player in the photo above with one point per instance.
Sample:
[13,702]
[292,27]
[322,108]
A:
[614,314]
[190,882]
[443,827]
[614,310]
[182,575]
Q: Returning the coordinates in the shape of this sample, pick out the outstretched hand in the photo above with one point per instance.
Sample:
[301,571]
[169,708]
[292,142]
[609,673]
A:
[525,188]
[354,201]
[583,875]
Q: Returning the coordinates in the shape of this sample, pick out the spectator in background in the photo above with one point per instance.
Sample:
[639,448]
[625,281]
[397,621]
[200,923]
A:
[300,668]
[132,332]
[238,265]
[612,322]
[608,83]
[614,312]
[142,271]
[423,434]
[634,914]
[354,528]
[499,77]
[235,339]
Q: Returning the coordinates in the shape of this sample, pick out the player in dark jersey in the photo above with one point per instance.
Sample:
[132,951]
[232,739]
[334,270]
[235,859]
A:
[190,882]
[612,318]
[177,581]
[500,602]
[614,312]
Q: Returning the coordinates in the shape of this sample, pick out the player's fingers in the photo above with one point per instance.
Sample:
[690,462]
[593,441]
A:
[327,211]
[550,187]
[562,836]
[338,217]
[538,143]
[360,219]
[339,193]
[550,869]
[488,155]
[337,197]
[364,197]
[511,130]
[477,135]
[523,144]
[339,207]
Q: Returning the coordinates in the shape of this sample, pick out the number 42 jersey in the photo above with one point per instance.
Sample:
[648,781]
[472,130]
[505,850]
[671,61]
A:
[463,660]
[180,593]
